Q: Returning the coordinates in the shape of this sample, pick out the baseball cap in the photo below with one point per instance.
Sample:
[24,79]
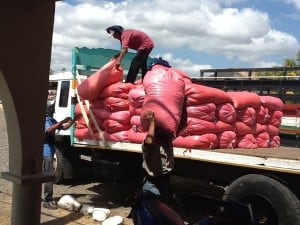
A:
[111,33]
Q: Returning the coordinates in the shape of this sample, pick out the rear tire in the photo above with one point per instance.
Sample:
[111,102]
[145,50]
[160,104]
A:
[58,164]
[65,162]
[272,203]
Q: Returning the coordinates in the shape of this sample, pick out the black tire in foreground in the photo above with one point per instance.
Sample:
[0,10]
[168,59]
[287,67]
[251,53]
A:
[271,202]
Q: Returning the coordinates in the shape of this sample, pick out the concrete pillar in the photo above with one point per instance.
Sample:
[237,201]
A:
[25,43]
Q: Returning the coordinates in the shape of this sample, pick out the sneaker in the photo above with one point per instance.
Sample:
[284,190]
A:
[50,205]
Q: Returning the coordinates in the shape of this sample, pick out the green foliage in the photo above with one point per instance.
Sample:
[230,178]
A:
[286,63]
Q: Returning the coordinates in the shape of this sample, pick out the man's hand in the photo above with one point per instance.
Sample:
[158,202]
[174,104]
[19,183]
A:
[66,120]
[118,63]
[149,116]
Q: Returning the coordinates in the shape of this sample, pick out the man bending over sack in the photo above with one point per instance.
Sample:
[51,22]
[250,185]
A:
[136,40]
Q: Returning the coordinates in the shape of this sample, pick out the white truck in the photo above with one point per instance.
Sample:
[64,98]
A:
[267,179]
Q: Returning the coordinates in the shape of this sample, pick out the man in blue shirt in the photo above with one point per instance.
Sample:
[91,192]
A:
[51,125]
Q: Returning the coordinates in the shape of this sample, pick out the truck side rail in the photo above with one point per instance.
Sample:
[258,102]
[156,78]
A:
[263,161]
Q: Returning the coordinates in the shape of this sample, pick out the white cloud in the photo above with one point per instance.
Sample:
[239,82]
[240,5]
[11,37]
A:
[200,26]
[190,68]
[296,3]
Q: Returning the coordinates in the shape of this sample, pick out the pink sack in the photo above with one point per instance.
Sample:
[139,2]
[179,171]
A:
[247,115]
[275,141]
[273,130]
[272,103]
[164,95]
[136,137]
[262,115]
[243,99]
[78,110]
[242,129]
[136,96]
[275,118]
[198,94]
[186,78]
[226,113]
[263,140]
[205,141]
[221,126]
[82,134]
[259,128]
[121,136]
[118,90]
[135,123]
[205,111]
[227,140]
[114,104]
[91,87]
[198,127]
[135,110]
[113,126]
[247,141]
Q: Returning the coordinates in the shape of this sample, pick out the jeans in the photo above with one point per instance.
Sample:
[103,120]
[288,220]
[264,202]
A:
[138,62]
[48,186]
[159,186]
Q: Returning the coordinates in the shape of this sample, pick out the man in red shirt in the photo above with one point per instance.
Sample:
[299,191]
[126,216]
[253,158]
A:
[136,40]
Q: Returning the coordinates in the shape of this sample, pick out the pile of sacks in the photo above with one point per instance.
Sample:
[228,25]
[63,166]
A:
[68,202]
[111,110]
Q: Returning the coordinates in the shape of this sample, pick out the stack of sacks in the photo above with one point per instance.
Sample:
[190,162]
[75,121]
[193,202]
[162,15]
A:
[108,102]
[216,119]
[203,126]
[258,119]
[246,105]
[113,114]
[136,99]
[81,127]
[268,121]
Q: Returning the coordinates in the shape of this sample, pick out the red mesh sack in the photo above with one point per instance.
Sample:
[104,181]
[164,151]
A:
[108,74]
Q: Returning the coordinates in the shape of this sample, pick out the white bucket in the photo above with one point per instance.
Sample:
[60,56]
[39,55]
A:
[115,220]
[100,214]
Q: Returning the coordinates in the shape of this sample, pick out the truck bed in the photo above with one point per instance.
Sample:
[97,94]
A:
[282,152]
[283,159]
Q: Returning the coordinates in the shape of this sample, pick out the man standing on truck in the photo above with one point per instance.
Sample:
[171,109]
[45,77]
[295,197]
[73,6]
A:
[136,40]
[51,125]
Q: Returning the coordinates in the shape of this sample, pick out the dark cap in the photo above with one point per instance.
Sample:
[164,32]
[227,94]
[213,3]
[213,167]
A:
[116,28]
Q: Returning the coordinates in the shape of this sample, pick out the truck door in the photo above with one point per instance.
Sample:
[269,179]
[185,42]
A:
[63,103]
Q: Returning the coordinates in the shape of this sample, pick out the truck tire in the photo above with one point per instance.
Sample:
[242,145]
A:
[58,164]
[63,165]
[271,202]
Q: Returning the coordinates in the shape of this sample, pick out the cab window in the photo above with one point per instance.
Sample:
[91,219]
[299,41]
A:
[64,94]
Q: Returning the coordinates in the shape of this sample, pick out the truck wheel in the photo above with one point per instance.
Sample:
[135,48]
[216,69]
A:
[58,165]
[271,202]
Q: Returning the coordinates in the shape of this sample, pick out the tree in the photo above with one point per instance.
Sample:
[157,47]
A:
[289,62]
[297,58]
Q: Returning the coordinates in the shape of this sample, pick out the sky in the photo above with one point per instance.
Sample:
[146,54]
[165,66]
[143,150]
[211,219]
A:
[191,34]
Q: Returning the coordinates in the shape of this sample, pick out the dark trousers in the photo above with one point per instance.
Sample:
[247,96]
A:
[48,186]
[159,186]
[138,62]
